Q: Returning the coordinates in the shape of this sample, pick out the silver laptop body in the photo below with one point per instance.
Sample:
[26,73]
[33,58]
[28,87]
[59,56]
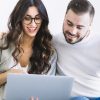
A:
[45,87]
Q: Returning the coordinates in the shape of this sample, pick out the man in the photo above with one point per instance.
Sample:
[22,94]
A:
[79,51]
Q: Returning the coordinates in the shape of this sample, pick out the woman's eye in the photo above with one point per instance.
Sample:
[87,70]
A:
[27,18]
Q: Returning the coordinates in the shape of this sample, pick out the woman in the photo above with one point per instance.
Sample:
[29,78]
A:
[27,47]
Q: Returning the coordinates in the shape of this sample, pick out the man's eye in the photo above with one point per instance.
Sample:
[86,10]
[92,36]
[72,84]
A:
[80,28]
[69,24]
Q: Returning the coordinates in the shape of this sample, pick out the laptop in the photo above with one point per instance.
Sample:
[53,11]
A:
[45,87]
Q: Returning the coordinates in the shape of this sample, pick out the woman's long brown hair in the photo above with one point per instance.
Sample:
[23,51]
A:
[42,48]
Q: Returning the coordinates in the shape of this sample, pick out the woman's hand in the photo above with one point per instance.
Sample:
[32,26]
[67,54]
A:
[32,98]
[18,71]
[3,76]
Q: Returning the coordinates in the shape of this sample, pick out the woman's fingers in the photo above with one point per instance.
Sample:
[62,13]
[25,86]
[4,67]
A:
[37,98]
[32,98]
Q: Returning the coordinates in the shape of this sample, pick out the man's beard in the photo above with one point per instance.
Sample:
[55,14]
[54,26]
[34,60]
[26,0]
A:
[70,41]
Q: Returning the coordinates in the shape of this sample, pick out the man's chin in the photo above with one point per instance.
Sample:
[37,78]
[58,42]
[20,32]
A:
[72,41]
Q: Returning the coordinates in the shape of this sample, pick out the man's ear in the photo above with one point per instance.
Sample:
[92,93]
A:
[88,32]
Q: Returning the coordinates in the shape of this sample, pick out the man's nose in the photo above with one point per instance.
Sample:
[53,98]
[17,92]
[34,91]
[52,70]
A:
[73,30]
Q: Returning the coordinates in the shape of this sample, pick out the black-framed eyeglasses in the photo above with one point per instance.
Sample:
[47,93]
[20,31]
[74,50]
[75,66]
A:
[28,19]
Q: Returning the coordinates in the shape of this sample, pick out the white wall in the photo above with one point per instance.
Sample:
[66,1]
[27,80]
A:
[6,6]
[56,11]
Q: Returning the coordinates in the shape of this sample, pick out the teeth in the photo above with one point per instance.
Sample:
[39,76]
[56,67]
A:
[71,36]
[32,29]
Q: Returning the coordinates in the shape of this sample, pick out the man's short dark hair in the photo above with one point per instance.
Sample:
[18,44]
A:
[81,6]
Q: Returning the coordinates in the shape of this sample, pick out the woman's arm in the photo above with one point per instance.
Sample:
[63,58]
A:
[3,75]
[53,63]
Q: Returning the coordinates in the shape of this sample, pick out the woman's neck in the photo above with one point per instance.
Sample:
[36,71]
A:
[27,41]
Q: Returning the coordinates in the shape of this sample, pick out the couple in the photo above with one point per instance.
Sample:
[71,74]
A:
[27,47]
